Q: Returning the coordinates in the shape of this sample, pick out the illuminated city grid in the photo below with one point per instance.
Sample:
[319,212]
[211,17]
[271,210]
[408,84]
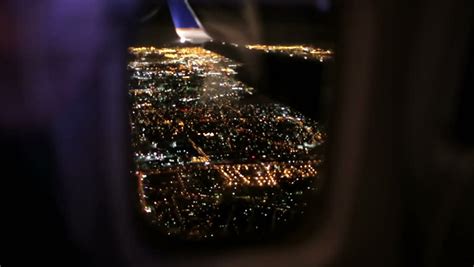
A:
[306,52]
[214,159]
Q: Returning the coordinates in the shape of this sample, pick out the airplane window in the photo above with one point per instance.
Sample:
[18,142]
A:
[228,131]
[237,133]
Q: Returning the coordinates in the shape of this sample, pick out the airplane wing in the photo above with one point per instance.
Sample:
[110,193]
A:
[187,25]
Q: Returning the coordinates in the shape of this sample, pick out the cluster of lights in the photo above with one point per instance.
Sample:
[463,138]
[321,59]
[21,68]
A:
[197,142]
[306,52]
[268,173]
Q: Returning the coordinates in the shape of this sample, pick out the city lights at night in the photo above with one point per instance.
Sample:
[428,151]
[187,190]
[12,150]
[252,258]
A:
[306,52]
[214,158]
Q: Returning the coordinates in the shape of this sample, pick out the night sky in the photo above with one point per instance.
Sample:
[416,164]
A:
[245,22]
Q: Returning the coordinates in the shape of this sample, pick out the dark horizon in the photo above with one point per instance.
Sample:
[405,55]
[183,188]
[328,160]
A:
[301,23]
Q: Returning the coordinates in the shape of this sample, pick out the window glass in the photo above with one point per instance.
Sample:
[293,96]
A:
[228,138]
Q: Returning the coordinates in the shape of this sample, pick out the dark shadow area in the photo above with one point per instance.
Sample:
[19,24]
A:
[293,81]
